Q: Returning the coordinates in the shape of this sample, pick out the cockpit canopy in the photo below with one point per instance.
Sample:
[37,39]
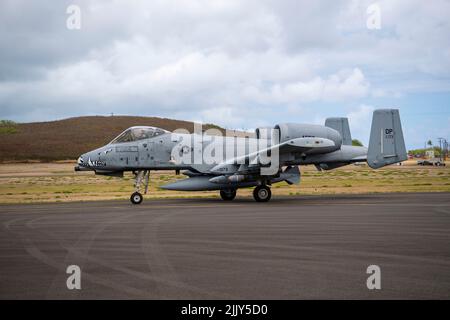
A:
[138,133]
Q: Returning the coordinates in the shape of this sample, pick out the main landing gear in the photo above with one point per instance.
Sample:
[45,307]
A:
[228,194]
[141,176]
[262,193]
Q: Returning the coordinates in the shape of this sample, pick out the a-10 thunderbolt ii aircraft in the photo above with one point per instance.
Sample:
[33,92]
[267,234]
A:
[224,163]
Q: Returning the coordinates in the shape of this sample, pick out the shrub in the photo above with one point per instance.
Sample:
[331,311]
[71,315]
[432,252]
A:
[8,127]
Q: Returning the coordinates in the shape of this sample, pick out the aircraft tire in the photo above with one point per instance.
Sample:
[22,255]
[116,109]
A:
[136,198]
[228,194]
[262,193]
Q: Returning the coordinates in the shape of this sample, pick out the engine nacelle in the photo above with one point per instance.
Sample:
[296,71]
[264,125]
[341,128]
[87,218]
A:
[294,130]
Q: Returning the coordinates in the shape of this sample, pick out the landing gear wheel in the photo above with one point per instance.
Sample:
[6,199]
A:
[228,194]
[262,193]
[136,198]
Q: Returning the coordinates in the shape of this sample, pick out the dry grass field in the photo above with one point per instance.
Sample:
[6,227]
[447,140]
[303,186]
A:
[55,182]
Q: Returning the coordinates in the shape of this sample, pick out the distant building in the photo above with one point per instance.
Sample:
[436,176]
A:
[429,154]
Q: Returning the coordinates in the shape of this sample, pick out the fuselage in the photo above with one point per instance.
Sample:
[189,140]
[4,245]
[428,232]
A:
[149,148]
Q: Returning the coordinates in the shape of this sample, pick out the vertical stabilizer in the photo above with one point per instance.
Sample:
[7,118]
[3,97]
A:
[386,145]
[340,125]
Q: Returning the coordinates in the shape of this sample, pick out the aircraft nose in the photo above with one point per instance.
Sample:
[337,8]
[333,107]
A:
[81,163]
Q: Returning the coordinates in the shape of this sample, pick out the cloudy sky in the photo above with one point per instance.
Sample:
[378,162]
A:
[236,63]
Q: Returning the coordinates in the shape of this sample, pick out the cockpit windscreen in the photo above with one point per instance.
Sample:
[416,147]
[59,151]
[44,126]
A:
[138,133]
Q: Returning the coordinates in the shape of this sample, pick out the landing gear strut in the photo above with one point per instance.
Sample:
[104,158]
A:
[262,193]
[141,176]
[228,194]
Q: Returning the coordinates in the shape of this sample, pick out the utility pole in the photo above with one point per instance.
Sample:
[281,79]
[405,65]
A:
[443,145]
[446,149]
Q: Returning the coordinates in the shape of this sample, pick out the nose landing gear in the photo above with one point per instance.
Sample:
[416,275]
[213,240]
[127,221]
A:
[136,198]
[141,176]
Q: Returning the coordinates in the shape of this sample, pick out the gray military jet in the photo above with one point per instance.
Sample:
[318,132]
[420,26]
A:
[227,163]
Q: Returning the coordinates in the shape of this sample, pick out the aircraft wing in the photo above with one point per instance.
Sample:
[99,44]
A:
[254,158]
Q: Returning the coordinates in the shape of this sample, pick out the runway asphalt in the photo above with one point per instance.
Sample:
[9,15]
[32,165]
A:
[307,247]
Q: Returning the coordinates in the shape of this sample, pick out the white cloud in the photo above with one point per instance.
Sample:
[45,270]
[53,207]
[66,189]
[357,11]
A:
[346,84]
[231,62]
[360,120]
